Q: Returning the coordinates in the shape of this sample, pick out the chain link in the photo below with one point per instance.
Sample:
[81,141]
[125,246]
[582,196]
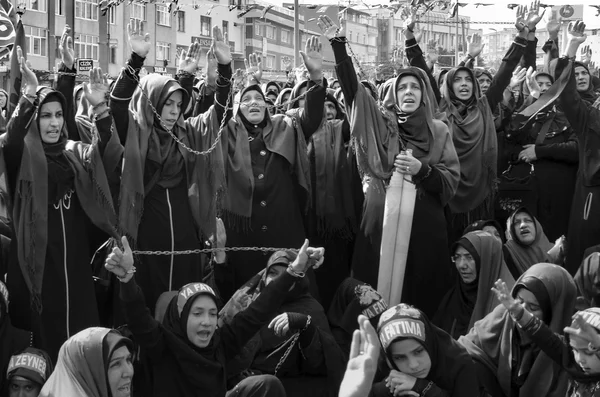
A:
[293,340]
[214,250]
[170,132]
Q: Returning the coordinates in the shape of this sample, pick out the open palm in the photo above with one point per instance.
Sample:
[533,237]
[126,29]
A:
[96,91]
[138,41]
[312,56]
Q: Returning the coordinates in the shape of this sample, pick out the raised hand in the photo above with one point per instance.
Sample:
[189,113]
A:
[221,240]
[576,32]
[66,47]
[330,29]
[532,84]
[238,80]
[504,296]
[521,22]
[418,33]
[96,91]
[518,77]
[580,328]
[313,58]
[410,21]
[28,78]
[534,16]
[586,54]
[120,262]
[220,47]
[189,60]
[211,69]
[254,68]
[475,45]
[364,355]
[138,41]
[287,63]
[553,26]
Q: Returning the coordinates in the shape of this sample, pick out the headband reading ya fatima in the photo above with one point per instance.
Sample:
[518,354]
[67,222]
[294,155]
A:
[402,328]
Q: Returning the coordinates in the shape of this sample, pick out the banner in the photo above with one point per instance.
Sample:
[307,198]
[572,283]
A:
[15,70]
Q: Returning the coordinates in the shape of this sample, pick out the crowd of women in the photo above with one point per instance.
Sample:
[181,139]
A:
[156,231]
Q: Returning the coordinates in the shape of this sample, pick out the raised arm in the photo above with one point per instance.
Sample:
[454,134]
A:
[311,115]
[415,54]
[206,93]
[186,72]
[343,63]
[576,110]
[66,83]
[96,92]
[550,343]
[128,79]
[501,80]
[246,324]
[18,125]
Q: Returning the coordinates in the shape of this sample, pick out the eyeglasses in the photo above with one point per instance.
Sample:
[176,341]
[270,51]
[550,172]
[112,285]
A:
[456,258]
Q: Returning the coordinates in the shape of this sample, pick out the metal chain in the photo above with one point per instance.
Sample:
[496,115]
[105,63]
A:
[170,132]
[293,339]
[213,250]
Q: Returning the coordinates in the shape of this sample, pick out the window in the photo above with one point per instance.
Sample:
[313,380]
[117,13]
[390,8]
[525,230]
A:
[270,62]
[86,9]
[112,15]
[59,7]
[162,15]
[226,30]
[37,40]
[163,51]
[205,26]
[113,54]
[36,5]
[270,32]
[286,36]
[181,21]
[138,11]
[257,29]
[86,46]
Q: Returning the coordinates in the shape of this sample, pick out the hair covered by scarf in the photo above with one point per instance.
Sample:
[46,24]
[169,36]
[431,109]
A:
[450,362]
[376,134]
[474,137]
[465,304]
[204,173]
[490,341]
[525,256]
[30,206]
[81,366]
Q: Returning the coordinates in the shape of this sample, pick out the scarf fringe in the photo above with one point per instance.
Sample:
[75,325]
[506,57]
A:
[25,192]
[329,232]
[237,222]
[483,211]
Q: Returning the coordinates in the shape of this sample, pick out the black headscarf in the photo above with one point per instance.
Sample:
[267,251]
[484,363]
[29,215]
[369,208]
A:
[411,125]
[588,95]
[60,172]
[253,129]
[451,364]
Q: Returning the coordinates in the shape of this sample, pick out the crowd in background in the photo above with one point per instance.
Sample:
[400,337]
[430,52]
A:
[222,236]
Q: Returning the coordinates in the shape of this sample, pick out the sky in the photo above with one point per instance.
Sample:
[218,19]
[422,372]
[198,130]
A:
[497,12]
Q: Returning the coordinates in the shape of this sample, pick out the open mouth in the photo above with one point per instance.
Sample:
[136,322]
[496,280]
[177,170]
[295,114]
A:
[254,110]
[125,388]
[464,91]
[204,335]
[409,101]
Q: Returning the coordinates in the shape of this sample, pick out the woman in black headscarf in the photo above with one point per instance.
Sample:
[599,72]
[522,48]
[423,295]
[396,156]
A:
[189,351]
[313,363]
[404,121]
[170,177]
[582,109]
[58,188]
[268,176]
[478,259]
[422,358]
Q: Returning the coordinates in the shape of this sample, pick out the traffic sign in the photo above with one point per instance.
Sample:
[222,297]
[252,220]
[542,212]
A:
[85,65]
